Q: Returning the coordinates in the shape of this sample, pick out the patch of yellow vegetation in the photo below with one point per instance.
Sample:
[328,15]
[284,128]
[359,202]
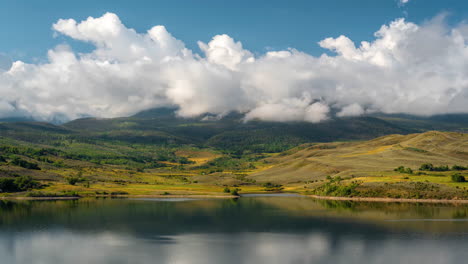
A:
[198,156]
[370,152]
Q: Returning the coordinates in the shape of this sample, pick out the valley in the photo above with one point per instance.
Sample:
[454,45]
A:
[157,154]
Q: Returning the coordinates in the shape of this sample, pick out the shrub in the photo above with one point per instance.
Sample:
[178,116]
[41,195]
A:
[426,167]
[430,167]
[119,193]
[59,164]
[235,191]
[227,190]
[458,168]
[25,183]
[442,168]
[457,177]
[25,164]
[19,184]
[402,169]
[47,194]
[75,180]
[8,185]
[334,187]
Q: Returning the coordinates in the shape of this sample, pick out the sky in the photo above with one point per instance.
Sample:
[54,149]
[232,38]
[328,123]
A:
[271,60]
[261,25]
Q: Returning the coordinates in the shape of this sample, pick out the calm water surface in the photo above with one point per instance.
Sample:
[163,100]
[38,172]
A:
[255,229]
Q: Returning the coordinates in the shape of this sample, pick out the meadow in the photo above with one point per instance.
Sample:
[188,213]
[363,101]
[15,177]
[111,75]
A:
[159,155]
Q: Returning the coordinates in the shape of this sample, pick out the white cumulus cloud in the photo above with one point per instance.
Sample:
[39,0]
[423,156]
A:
[408,68]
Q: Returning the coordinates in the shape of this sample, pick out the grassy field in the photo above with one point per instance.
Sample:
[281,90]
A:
[371,158]
[371,165]
[68,166]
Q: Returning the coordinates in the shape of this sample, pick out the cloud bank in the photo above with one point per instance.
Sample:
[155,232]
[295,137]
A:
[408,68]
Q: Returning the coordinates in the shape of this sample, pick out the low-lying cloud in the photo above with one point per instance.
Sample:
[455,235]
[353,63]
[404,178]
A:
[408,68]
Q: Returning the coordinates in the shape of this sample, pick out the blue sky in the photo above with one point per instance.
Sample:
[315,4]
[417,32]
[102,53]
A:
[260,25]
[242,63]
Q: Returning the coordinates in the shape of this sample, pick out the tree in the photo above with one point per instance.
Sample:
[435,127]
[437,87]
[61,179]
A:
[22,163]
[427,167]
[25,183]
[19,184]
[458,167]
[235,191]
[457,177]
[8,185]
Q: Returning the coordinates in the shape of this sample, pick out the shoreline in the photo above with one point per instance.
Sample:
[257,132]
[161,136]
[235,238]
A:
[387,200]
[318,197]
[26,198]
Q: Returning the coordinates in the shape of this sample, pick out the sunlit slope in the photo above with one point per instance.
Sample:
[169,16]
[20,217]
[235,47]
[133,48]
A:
[368,158]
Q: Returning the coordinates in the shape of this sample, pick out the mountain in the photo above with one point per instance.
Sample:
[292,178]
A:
[156,152]
[230,133]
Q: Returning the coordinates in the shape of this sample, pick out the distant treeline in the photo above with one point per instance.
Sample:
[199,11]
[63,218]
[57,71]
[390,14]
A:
[431,167]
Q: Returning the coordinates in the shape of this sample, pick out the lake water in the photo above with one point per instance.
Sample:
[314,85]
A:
[265,229]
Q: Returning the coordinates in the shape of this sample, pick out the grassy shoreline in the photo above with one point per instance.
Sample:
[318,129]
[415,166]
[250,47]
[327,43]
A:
[197,196]
[117,196]
[388,200]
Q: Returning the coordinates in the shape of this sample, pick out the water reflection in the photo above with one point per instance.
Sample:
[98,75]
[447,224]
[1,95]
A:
[248,230]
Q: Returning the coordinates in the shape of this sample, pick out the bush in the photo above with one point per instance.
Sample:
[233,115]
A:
[459,168]
[426,167]
[25,183]
[442,168]
[235,191]
[8,185]
[334,188]
[47,194]
[227,190]
[430,167]
[119,193]
[75,180]
[402,169]
[457,177]
[19,184]
[25,164]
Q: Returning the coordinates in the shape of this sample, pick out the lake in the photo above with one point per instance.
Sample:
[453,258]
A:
[252,229]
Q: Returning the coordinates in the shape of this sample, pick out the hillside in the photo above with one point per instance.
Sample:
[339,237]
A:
[430,165]
[229,134]
[366,158]
[155,152]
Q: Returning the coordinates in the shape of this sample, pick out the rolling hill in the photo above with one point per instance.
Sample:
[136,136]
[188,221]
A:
[155,152]
[366,158]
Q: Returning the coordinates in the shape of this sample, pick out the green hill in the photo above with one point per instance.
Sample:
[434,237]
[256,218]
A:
[155,152]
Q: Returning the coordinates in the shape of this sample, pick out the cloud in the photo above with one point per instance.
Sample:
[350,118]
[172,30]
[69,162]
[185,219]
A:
[290,110]
[403,2]
[408,68]
[351,110]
